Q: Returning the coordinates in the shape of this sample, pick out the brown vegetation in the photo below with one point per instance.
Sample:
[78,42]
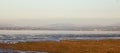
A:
[70,46]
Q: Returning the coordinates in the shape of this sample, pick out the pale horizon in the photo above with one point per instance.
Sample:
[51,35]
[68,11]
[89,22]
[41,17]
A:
[46,12]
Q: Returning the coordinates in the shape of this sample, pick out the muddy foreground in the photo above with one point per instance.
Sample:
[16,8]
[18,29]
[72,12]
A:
[69,46]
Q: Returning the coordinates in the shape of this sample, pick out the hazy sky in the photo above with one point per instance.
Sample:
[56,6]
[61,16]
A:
[43,12]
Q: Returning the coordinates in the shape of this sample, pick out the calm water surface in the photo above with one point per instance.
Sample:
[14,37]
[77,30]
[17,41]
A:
[55,32]
[45,35]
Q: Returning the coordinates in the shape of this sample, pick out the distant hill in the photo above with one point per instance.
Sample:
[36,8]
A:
[115,27]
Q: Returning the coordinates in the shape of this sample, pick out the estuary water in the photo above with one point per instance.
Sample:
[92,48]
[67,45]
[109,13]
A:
[45,35]
[55,32]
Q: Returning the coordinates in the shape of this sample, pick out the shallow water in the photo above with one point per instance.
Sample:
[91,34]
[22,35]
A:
[45,35]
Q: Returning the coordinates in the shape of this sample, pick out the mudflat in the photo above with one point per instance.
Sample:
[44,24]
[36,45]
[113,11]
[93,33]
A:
[69,46]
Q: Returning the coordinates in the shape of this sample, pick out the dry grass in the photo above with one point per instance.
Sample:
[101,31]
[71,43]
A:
[70,46]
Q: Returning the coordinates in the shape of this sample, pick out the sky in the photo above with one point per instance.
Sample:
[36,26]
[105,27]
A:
[46,12]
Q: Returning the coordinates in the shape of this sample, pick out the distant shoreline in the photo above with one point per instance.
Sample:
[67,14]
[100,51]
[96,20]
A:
[62,30]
